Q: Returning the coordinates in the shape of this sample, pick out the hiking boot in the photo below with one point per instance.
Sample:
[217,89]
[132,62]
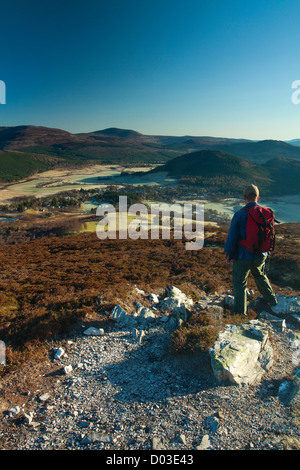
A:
[263,305]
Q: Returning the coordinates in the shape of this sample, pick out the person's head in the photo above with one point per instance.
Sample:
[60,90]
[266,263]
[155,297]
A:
[251,193]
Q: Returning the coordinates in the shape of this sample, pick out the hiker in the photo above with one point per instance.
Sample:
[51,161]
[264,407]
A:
[243,261]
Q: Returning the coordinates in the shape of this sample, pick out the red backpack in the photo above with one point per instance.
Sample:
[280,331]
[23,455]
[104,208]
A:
[260,232]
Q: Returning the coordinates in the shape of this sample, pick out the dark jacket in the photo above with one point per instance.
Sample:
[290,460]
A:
[237,232]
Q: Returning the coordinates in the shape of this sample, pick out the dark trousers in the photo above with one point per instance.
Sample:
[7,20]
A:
[240,272]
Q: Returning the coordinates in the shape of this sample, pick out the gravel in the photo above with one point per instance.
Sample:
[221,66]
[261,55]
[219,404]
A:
[127,392]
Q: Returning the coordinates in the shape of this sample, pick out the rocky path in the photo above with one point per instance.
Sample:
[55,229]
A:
[121,391]
[124,395]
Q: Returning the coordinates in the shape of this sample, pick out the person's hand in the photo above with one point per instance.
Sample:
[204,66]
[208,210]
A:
[228,260]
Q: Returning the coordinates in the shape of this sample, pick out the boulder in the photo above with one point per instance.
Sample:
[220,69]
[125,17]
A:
[67,369]
[153,298]
[172,291]
[157,443]
[286,305]
[205,443]
[44,397]
[164,319]
[274,320]
[147,313]
[173,323]
[139,291]
[174,297]
[2,353]
[180,313]
[229,301]
[294,336]
[92,331]
[176,318]
[242,353]
[143,315]
[295,318]
[121,316]
[14,411]
[289,391]
[168,304]
[96,437]
[139,335]
[202,304]
[59,352]
[138,307]
[118,313]
[28,417]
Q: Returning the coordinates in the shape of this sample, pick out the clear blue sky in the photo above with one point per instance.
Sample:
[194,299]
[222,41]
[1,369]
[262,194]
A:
[219,68]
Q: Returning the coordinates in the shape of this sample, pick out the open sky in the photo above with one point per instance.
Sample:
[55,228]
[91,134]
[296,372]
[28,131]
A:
[193,67]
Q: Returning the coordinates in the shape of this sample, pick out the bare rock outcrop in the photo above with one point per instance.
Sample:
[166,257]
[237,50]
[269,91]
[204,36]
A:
[242,353]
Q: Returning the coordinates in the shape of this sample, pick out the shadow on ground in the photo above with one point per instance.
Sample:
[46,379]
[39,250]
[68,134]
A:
[151,372]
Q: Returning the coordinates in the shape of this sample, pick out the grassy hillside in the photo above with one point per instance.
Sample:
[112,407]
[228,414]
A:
[106,153]
[220,171]
[258,152]
[17,165]
[286,175]
[264,150]
[216,170]
[43,148]
[209,163]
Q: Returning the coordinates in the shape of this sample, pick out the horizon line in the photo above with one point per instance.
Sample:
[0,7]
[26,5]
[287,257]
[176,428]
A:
[150,135]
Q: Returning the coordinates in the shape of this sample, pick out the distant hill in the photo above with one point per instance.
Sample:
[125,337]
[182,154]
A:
[125,147]
[285,173]
[208,163]
[110,146]
[294,142]
[14,138]
[263,150]
[116,132]
[228,173]
[259,152]
[281,163]
[27,136]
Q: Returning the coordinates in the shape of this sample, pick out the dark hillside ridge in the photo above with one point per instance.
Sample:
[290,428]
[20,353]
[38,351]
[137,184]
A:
[286,173]
[209,163]
[130,148]
[263,150]
[295,142]
[17,165]
[116,132]
[258,152]
[15,138]
[27,136]
[215,168]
